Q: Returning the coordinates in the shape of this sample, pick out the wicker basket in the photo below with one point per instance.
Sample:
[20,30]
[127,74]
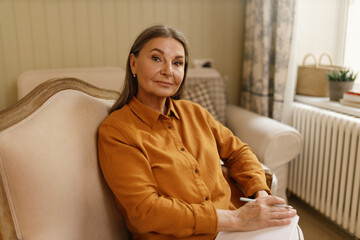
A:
[312,79]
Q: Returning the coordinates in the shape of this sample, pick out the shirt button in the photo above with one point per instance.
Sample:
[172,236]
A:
[169,127]
[196,170]
[206,198]
[182,149]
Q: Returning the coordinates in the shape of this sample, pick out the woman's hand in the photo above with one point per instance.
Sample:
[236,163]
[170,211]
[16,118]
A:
[255,215]
[261,193]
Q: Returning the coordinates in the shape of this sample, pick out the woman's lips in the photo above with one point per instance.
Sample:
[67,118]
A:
[164,83]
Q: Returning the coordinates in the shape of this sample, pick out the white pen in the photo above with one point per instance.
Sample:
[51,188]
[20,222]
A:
[252,200]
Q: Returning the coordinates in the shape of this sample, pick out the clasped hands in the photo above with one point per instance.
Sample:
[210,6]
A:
[255,215]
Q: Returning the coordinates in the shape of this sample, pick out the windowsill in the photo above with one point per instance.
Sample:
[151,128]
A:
[324,102]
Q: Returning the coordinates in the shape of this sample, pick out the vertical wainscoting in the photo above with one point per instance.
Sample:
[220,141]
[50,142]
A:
[43,34]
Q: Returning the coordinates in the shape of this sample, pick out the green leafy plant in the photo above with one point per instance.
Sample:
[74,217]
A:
[342,75]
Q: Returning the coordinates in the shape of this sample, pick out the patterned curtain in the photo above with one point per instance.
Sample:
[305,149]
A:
[268,39]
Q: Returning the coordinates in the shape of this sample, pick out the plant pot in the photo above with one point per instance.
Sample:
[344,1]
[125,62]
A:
[338,88]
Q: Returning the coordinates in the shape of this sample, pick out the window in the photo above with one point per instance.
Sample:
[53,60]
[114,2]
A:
[330,26]
[352,39]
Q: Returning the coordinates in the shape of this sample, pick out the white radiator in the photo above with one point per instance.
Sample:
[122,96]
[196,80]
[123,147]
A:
[326,174]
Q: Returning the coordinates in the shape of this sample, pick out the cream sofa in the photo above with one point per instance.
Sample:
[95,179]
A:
[51,185]
[274,143]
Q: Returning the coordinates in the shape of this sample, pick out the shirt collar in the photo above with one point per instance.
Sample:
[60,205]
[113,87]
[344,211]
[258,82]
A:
[150,116]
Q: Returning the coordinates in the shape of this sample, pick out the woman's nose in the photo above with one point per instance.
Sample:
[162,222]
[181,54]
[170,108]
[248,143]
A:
[166,69]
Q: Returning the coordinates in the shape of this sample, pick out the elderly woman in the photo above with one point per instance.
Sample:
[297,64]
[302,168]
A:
[160,155]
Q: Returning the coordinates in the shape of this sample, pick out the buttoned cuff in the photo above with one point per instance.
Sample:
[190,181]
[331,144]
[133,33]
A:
[205,218]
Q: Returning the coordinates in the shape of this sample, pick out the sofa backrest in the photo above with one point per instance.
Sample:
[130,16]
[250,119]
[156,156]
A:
[51,184]
[110,78]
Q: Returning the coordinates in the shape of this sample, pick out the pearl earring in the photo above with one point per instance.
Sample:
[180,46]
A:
[134,75]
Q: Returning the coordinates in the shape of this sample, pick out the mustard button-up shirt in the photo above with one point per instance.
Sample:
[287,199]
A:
[165,171]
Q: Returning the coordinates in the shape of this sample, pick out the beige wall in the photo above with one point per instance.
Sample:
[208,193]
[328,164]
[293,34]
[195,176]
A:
[41,34]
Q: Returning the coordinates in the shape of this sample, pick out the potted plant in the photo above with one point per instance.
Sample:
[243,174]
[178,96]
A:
[340,81]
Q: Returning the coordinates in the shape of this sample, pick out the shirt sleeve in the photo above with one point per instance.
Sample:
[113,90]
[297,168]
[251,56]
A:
[129,175]
[241,162]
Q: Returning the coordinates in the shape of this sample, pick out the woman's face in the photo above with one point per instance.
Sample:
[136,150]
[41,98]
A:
[159,68]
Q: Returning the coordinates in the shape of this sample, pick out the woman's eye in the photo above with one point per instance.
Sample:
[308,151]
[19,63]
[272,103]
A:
[157,59]
[178,63]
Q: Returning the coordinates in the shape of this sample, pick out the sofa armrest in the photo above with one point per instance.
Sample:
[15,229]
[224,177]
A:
[274,143]
[271,179]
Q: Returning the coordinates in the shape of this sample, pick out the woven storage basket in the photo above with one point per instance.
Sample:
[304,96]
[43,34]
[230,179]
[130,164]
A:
[312,79]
